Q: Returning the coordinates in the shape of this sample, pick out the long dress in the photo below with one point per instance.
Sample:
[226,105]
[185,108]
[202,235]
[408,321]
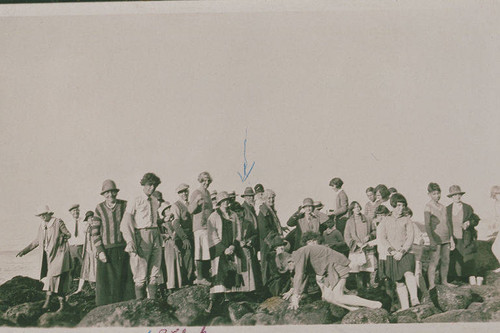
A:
[247,263]
[172,255]
[114,281]
[222,233]
[89,262]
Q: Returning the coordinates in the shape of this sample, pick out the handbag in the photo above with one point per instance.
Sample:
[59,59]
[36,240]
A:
[357,259]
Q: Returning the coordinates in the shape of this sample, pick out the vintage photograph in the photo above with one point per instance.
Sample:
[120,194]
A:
[180,164]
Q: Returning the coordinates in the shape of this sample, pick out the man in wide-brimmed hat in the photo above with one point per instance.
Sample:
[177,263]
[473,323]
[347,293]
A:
[200,207]
[463,221]
[113,275]
[184,239]
[55,257]
[142,234]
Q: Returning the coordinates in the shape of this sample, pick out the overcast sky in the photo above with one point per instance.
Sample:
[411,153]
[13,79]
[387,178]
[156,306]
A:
[387,95]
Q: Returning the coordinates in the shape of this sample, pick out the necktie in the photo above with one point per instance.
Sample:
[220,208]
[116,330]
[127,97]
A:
[151,218]
[45,237]
[76,228]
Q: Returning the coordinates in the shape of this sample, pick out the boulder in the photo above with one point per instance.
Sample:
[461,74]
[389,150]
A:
[59,319]
[491,310]
[317,313]
[273,305]
[492,279]
[84,301]
[247,320]
[485,292]
[19,290]
[220,321]
[366,316]
[452,316]
[25,314]
[239,309]
[377,294]
[190,305]
[131,314]
[454,298]
[417,313]
[266,319]
[338,312]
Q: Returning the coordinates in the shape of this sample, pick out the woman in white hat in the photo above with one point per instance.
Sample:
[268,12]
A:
[55,257]
[172,255]
[223,243]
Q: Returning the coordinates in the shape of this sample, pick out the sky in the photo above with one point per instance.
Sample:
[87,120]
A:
[394,95]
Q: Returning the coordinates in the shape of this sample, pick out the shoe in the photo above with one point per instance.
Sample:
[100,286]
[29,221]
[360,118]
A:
[472,280]
[202,282]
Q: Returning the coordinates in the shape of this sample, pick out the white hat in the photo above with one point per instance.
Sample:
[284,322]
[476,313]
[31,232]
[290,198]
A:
[43,210]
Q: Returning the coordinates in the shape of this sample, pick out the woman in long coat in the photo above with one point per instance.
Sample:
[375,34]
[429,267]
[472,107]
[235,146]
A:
[271,242]
[172,254]
[55,257]
[89,262]
[247,263]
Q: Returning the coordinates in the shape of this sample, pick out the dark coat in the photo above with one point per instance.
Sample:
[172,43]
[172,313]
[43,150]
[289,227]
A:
[469,235]
[270,236]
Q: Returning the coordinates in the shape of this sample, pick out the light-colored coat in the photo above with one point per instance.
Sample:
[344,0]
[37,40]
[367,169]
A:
[58,255]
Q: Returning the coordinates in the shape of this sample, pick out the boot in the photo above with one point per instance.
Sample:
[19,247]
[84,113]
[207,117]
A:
[140,293]
[47,301]
[62,303]
[403,297]
[152,291]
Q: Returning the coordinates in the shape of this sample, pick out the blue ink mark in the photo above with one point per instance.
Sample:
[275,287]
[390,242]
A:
[245,173]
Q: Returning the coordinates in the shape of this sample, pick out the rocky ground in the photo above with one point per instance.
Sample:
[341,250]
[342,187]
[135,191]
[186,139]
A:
[21,300]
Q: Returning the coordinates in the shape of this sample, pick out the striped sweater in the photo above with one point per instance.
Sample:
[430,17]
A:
[106,234]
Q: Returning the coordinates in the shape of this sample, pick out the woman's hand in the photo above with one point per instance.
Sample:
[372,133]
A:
[294,302]
[288,294]
[398,255]
[102,257]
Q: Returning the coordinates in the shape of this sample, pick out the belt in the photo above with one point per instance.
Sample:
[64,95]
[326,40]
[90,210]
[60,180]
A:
[147,228]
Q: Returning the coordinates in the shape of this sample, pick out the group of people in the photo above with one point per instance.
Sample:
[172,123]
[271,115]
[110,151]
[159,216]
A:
[130,249]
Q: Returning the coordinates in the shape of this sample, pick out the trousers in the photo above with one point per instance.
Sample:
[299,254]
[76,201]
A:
[146,263]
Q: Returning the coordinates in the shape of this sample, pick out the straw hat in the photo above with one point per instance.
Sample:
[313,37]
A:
[307,202]
[43,210]
[222,196]
[455,189]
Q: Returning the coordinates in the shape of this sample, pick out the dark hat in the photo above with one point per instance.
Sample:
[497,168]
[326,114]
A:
[108,185]
[75,206]
[259,188]
[248,192]
[88,214]
[182,187]
[455,189]
[158,195]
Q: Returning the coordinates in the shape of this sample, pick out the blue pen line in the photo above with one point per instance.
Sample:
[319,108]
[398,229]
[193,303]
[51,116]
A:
[245,174]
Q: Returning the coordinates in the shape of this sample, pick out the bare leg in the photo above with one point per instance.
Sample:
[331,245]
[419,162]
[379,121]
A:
[411,284]
[80,286]
[431,272]
[339,297]
[402,295]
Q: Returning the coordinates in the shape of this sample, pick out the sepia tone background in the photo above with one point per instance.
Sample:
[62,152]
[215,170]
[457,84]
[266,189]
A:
[392,92]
